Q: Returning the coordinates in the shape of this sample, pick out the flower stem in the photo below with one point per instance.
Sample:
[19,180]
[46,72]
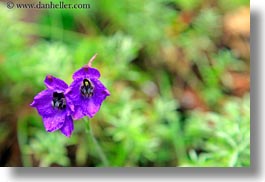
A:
[97,146]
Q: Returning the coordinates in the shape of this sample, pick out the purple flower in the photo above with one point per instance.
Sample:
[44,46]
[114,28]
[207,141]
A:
[86,91]
[54,106]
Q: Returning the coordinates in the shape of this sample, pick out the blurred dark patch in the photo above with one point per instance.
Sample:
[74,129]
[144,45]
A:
[71,151]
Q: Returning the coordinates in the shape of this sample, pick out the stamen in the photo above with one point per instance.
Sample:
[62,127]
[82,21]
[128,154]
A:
[58,101]
[87,88]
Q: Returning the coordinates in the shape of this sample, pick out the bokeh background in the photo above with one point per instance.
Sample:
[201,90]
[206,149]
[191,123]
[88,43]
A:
[177,70]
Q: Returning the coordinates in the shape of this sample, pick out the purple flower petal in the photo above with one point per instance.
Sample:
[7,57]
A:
[91,107]
[86,72]
[68,126]
[54,83]
[54,107]
[42,102]
[73,91]
[86,106]
[54,122]
[99,87]
[77,113]
[93,104]
[70,106]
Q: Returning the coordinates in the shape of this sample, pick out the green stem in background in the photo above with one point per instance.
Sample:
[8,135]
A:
[97,146]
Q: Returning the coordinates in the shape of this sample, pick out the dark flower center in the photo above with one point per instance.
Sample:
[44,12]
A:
[87,88]
[58,101]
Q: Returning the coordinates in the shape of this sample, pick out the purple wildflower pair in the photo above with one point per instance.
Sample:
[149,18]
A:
[59,104]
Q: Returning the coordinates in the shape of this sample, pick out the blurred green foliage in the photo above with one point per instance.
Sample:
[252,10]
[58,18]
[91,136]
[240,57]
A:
[227,136]
[144,122]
